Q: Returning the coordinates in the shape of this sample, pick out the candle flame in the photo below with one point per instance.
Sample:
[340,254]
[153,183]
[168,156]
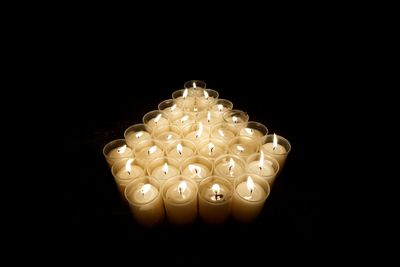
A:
[200,131]
[250,184]
[210,148]
[128,167]
[165,168]
[220,107]
[139,134]
[145,188]
[231,166]
[194,169]
[194,85]
[208,117]
[169,137]
[215,188]
[152,150]
[173,107]
[184,118]
[121,149]
[179,149]
[240,148]
[275,142]
[221,133]
[195,109]
[206,94]
[182,187]
[261,162]
[156,119]
[185,93]
[249,131]
[235,119]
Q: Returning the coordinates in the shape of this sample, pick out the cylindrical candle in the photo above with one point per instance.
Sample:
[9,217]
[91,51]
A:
[207,98]
[215,197]
[243,146]
[147,150]
[229,166]
[264,166]
[220,107]
[136,133]
[184,98]
[196,168]
[221,132]
[212,148]
[167,134]
[195,132]
[277,147]
[155,118]
[145,201]
[163,168]
[171,109]
[255,130]
[124,171]
[250,193]
[181,149]
[235,120]
[115,150]
[184,121]
[180,200]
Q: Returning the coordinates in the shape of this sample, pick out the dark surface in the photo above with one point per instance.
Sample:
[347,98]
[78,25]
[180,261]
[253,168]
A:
[94,214]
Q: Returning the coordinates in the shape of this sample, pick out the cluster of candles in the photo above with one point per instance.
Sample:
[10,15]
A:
[196,155]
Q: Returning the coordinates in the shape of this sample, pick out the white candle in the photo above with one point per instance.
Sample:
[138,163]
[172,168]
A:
[118,153]
[276,150]
[264,166]
[229,167]
[165,171]
[243,149]
[184,121]
[222,133]
[124,171]
[149,152]
[173,112]
[251,191]
[157,121]
[215,195]
[196,171]
[212,148]
[198,135]
[180,199]
[133,138]
[145,201]
[180,152]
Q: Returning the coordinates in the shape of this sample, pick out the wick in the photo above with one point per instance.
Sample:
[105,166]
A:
[129,173]
[180,153]
[211,150]
[195,169]
[180,191]
[260,167]
[273,148]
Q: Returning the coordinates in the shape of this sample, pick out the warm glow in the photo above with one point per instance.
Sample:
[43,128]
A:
[182,187]
[200,131]
[139,134]
[185,93]
[240,148]
[275,142]
[221,133]
[169,137]
[205,94]
[145,188]
[194,85]
[208,117]
[179,149]
[128,167]
[231,164]
[194,169]
[248,131]
[210,148]
[121,149]
[156,119]
[261,162]
[235,119]
[152,150]
[165,168]
[173,107]
[215,188]
[220,107]
[250,184]
[184,118]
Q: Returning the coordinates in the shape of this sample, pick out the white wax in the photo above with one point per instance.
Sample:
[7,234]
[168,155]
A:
[223,169]
[242,150]
[187,102]
[159,173]
[186,152]
[250,132]
[192,136]
[113,155]
[215,152]
[184,121]
[202,171]
[203,102]
[256,195]
[279,153]
[135,137]
[266,170]
[173,194]
[144,154]
[161,122]
[173,114]
[140,198]
[168,137]
[136,171]
[223,134]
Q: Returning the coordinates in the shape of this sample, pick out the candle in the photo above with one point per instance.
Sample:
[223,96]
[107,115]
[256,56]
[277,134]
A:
[184,98]
[196,168]
[207,98]
[229,167]
[255,130]
[263,165]
[235,120]
[219,131]
[215,198]
[163,168]
[116,150]
[184,121]
[125,170]
[181,149]
[180,200]
[155,118]
[250,193]
[195,87]
[220,107]
[167,134]
[277,147]
[145,201]
[196,133]
[212,148]
[243,146]
[208,119]
[136,133]
[149,149]
[170,109]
